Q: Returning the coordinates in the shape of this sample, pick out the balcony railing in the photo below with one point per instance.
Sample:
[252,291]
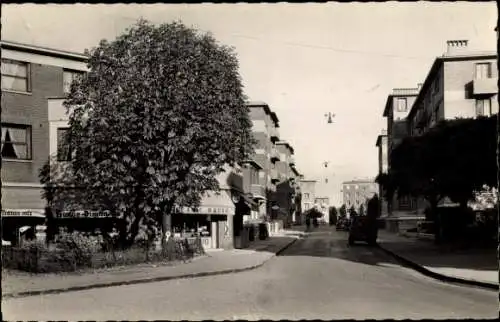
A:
[275,156]
[484,86]
[274,134]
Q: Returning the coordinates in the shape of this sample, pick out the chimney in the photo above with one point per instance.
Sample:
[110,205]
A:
[456,47]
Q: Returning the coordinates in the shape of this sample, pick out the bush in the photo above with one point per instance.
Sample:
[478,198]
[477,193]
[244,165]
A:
[73,251]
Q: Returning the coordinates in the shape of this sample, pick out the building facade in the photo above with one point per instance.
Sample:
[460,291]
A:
[383,167]
[308,192]
[358,192]
[266,133]
[30,75]
[461,84]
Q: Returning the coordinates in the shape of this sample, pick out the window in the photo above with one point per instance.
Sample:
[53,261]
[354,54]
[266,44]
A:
[16,141]
[483,107]
[306,206]
[15,76]
[483,70]
[401,104]
[63,148]
[68,77]
[306,195]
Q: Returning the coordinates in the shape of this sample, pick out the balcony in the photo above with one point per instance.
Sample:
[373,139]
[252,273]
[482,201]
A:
[291,161]
[484,86]
[275,156]
[258,191]
[274,134]
[275,177]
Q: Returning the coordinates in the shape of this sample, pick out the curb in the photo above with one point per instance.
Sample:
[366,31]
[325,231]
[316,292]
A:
[144,280]
[438,276]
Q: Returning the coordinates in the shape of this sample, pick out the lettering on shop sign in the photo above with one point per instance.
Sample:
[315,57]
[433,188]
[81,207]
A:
[203,210]
[17,213]
[83,214]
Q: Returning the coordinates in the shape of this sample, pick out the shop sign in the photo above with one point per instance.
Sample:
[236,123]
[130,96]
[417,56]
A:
[84,214]
[21,213]
[206,210]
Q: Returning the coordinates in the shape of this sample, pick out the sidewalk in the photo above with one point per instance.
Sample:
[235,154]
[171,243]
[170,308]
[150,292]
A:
[470,266]
[215,262]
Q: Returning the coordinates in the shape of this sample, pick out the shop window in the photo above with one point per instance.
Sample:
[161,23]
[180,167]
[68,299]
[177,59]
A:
[15,76]
[192,225]
[16,141]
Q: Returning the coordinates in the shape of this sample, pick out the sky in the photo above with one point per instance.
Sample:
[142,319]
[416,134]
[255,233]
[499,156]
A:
[304,60]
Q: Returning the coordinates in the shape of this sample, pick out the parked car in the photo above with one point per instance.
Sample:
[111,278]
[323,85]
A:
[343,224]
[363,228]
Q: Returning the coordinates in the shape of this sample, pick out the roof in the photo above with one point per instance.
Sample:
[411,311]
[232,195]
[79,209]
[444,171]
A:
[254,163]
[274,117]
[398,92]
[308,180]
[438,62]
[259,104]
[43,50]
[285,143]
[295,171]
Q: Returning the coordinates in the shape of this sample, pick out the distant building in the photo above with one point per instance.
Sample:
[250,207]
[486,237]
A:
[358,192]
[308,190]
[323,204]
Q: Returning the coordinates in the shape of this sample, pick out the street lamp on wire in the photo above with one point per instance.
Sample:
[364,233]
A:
[330,117]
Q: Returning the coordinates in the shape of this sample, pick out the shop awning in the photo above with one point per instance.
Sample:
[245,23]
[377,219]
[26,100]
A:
[211,204]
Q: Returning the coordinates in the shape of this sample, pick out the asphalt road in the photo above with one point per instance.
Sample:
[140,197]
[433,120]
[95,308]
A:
[319,277]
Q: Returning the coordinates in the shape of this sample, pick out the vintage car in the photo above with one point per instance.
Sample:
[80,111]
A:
[363,228]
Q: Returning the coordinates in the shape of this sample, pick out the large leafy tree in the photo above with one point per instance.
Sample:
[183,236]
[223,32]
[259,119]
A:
[453,159]
[159,115]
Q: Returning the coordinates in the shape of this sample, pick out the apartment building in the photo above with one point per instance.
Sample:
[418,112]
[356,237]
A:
[308,191]
[297,200]
[285,188]
[358,192]
[30,75]
[266,132]
[383,167]
[461,83]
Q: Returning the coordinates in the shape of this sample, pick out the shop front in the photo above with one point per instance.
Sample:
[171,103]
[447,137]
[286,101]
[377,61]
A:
[19,224]
[212,221]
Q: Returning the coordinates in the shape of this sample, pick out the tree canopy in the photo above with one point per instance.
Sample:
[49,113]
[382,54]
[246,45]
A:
[159,115]
[453,159]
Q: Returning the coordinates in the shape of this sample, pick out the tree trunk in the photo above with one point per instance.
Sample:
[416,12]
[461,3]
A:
[166,225]
[438,234]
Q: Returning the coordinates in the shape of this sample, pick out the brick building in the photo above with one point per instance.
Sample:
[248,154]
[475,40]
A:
[30,75]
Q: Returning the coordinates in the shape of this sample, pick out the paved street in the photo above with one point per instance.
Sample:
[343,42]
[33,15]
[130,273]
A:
[318,277]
